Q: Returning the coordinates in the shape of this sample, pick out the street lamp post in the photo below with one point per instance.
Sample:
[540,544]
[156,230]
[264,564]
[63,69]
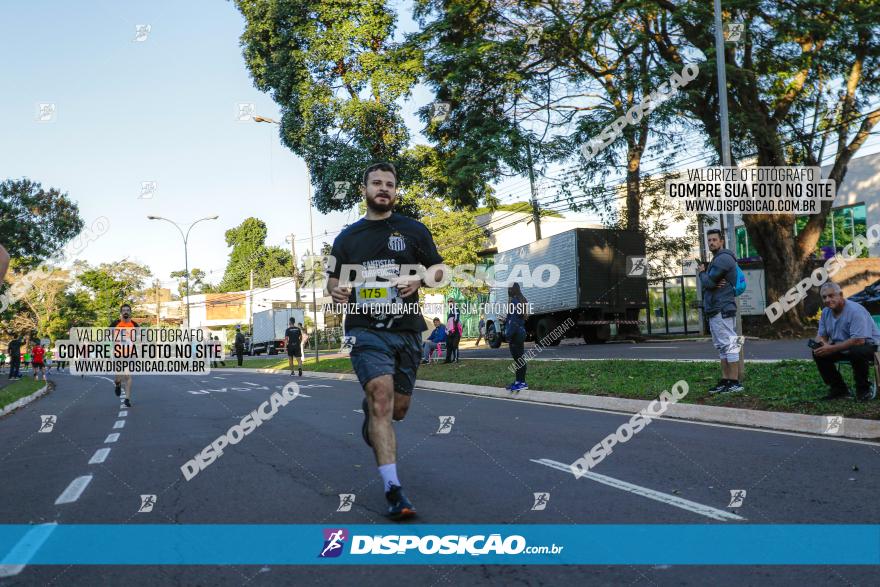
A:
[311,238]
[185,251]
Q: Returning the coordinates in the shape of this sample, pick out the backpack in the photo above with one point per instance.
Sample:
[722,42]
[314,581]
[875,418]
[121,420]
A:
[740,286]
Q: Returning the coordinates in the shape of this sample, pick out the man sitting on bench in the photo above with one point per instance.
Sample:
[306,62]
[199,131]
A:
[846,333]
[437,336]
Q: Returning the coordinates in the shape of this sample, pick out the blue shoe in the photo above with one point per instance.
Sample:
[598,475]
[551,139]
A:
[399,507]
[511,386]
[519,386]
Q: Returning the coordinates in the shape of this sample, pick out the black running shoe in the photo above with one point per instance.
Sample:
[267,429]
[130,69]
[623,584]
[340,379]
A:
[127,403]
[300,372]
[399,507]
[733,387]
[118,390]
[720,387]
[365,429]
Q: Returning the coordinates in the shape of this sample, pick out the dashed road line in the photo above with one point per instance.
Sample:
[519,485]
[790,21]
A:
[25,549]
[122,414]
[74,490]
[119,424]
[112,437]
[100,456]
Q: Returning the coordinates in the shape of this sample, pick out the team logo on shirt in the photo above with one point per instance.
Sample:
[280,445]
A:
[396,242]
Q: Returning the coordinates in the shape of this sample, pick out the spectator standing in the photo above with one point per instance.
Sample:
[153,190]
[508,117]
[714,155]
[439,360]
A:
[515,332]
[14,350]
[482,329]
[717,281]
[239,344]
[453,333]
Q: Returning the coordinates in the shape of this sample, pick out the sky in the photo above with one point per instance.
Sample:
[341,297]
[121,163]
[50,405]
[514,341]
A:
[163,110]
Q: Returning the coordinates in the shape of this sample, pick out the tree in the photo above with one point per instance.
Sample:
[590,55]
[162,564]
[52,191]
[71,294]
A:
[802,80]
[43,296]
[250,253]
[537,80]
[337,74]
[109,285]
[197,283]
[36,223]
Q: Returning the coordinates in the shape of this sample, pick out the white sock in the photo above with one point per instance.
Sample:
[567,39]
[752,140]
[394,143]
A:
[389,475]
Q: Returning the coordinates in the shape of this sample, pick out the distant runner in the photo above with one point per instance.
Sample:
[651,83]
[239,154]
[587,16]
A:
[386,348]
[39,358]
[293,338]
[124,321]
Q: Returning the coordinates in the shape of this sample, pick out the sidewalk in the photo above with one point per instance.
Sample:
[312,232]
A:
[782,421]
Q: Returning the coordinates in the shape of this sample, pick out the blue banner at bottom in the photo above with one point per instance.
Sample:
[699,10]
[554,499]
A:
[412,544]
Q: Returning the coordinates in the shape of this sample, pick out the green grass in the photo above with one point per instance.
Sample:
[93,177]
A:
[18,389]
[785,386]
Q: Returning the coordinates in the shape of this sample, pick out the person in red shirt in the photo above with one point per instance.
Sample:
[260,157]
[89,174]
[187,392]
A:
[38,357]
[124,377]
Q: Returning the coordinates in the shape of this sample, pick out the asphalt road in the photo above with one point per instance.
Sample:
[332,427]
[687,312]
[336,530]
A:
[485,470]
[672,350]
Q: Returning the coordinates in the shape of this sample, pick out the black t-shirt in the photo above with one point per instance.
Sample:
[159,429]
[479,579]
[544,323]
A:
[14,349]
[381,247]
[294,335]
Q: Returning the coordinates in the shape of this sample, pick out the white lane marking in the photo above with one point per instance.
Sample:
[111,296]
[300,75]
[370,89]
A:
[25,549]
[253,384]
[119,424]
[104,378]
[219,378]
[673,500]
[359,411]
[122,414]
[112,437]
[74,490]
[100,456]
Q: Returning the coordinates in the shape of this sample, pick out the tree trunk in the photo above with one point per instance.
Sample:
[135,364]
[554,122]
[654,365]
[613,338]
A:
[784,262]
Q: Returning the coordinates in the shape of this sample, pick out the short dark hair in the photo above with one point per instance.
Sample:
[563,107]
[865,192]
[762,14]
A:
[715,231]
[293,320]
[382,166]
[126,305]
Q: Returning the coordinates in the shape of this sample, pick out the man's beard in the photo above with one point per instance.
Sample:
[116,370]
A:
[382,208]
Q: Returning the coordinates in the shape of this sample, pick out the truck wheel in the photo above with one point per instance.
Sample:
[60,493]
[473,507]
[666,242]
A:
[545,326]
[597,334]
[493,337]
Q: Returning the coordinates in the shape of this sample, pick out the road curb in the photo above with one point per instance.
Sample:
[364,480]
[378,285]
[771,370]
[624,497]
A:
[23,401]
[855,428]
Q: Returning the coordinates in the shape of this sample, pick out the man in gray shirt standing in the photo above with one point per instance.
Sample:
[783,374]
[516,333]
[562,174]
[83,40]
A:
[719,306]
[846,333]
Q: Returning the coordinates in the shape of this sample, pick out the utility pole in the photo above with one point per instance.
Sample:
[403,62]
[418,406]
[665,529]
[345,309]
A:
[725,151]
[536,212]
[251,307]
[158,306]
[291,238]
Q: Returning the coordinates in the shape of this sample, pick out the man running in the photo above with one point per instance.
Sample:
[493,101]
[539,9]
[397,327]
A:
[124,321]
[386,348]
[39,355]
[293,341]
